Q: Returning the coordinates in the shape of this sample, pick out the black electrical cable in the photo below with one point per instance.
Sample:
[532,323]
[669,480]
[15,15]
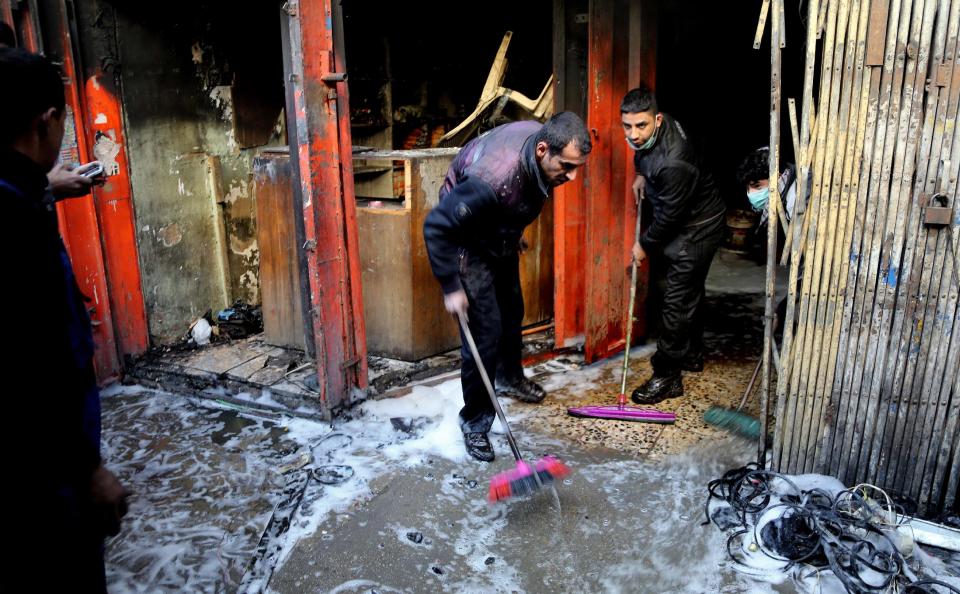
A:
[814,528]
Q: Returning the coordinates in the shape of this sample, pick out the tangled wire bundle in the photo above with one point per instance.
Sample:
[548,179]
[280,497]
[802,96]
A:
[853,533]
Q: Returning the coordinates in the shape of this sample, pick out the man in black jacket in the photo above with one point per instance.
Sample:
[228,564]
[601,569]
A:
[687,228]
[59,498]
[496,186]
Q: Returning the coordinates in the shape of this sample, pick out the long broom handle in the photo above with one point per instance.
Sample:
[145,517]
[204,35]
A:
[622,398]
[489,386]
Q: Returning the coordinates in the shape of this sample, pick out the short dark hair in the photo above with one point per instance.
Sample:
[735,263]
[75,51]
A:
[7,36]
[562,129]
[754,167]
[33,86]
[639,100]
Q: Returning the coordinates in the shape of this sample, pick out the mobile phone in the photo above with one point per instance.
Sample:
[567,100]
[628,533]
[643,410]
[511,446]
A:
[91,169]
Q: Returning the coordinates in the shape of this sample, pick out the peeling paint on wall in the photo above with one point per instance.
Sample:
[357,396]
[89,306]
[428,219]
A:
[222,98]
[247,249]
[170,235]
[106,149]
[237,191]
[250,282]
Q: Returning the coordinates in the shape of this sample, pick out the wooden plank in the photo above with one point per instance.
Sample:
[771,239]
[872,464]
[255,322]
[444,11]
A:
[936,477]
[864,223]
[536,268]
[862,367]
[885,254]
[814,250]
[893,253]
[803,169]
[782,37]
[773,213]
[822,16]
[942,486]
[879,10]
[388,284]
[215,206]
[795,138]
[280,287]
[904,436]
[761,24]
[848,154]
[847,275]
[786,404]
[432,325]
[846,45]
[936,337]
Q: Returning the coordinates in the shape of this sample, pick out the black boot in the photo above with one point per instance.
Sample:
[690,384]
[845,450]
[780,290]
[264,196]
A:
[522,389]
[693,362]
[478,446]
[658,388]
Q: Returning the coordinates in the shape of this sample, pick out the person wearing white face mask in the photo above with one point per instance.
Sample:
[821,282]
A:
[687,228]
[753,174]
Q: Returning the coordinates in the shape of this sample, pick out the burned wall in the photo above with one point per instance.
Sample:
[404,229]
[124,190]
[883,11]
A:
[202,88]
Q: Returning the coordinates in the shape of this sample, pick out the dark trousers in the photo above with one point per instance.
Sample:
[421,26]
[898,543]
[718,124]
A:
[54,540]
[495,317]
[686,261]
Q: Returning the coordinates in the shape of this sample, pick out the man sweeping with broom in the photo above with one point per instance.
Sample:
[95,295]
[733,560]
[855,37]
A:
[687,228]
[496,186]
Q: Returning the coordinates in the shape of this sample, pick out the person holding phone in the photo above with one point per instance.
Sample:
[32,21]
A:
[60,499]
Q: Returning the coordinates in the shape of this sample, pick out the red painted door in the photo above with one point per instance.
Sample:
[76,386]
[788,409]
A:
[596,220]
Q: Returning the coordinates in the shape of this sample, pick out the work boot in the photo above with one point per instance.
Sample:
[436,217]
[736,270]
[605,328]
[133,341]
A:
[522,389]
[478,446]
[658,388]
[692,362]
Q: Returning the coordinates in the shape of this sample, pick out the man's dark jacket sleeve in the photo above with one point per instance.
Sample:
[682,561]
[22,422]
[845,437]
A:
[49,375]
[675,186]
[457,222]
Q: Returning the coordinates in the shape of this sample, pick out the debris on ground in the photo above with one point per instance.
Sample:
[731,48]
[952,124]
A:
[824,537]
[240,320]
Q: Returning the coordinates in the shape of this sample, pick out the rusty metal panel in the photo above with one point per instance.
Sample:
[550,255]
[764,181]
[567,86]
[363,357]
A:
[114,201]
[105,127]
[319,139]
[79,224]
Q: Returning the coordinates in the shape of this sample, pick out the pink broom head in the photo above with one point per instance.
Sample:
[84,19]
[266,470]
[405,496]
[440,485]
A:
[521,481]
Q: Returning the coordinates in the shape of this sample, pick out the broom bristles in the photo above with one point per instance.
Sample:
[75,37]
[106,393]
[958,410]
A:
[521,481]
[734,421]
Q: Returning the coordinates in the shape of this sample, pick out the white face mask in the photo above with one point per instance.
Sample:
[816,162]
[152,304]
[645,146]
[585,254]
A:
[758,198]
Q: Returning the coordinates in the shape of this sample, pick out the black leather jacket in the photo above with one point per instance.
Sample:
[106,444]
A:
[682,193]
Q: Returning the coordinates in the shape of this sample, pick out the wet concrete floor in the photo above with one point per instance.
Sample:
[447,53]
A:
[628,518]
[617,524]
